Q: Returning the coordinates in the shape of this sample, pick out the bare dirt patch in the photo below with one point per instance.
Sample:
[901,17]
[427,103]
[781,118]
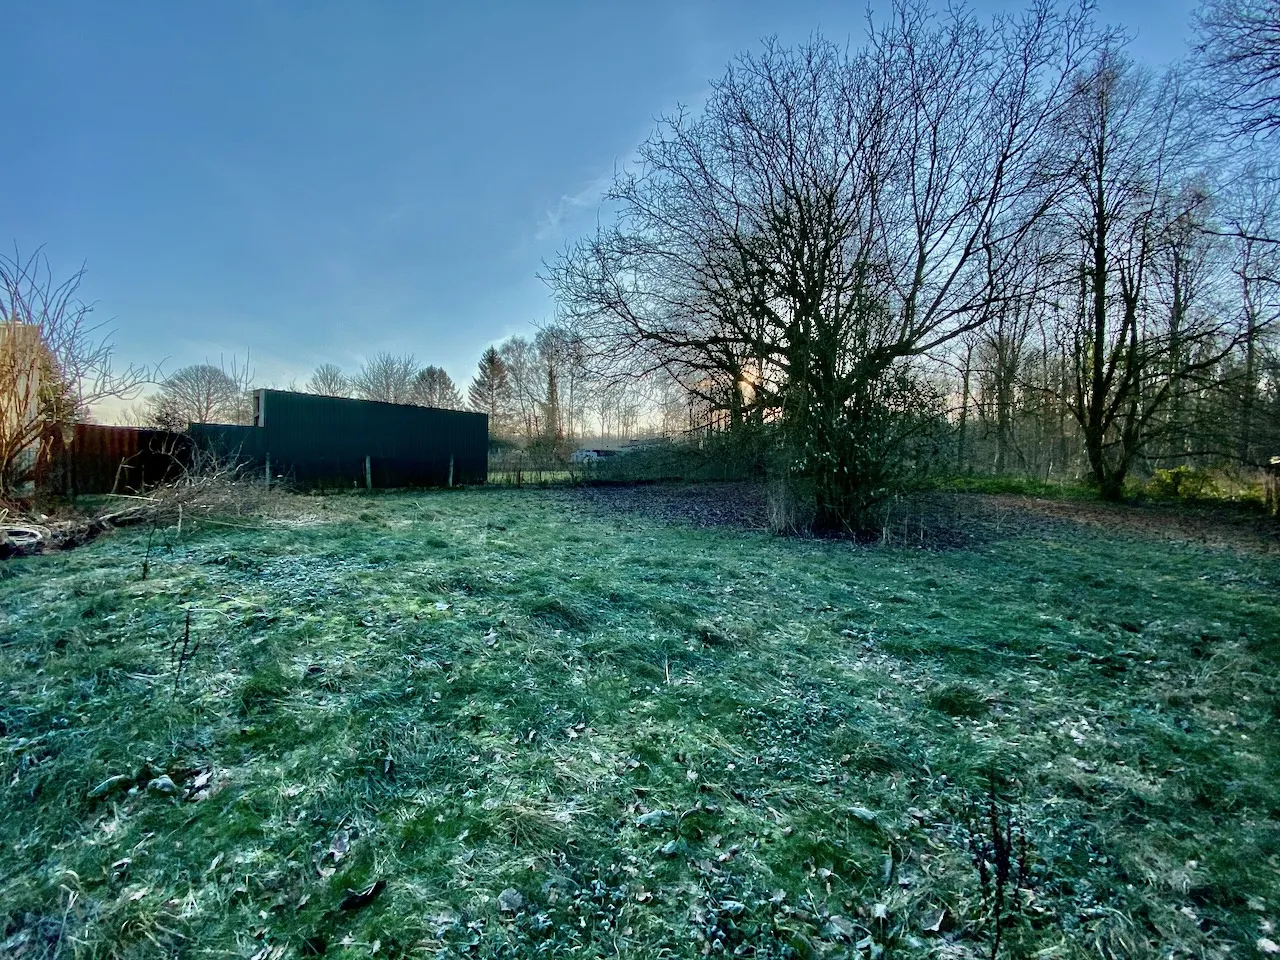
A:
[939,520]
[740,505]
[1225,525]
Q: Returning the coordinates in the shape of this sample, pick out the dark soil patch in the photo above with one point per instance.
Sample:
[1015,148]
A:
[937,521]
[930,521]
[1218,525]
[740,505]
[926,521]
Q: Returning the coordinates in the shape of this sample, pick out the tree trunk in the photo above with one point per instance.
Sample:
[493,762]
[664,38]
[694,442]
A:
[1004,406]
[962,453]
[1250,385]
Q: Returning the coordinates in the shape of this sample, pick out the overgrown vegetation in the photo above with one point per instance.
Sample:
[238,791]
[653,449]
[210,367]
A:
[55,363]
[209,488]
[1083,284]
[513,723]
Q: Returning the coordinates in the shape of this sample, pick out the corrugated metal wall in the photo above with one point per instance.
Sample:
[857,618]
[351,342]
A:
[325,440]
[314,441]
[241,444]
[104,459]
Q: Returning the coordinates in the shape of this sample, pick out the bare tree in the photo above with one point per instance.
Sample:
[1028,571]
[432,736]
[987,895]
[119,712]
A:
[564,350]
[1239,55]
[433,387]
[201,393]
[1135,340]
[328,380]
[528,384]
[386,377]
[55,363]
[827,219]
[671,405]
[1255,269]
[1002,353]
[550,443]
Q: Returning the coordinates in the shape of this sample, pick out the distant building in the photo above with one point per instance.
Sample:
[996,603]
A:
[28,373]
[593,455]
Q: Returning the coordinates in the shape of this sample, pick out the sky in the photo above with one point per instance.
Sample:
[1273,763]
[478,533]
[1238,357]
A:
[315,182]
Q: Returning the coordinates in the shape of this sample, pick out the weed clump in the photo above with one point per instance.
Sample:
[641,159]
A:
[562,615]
[264,688]
[1003,858]
[712,634]
[958,700]
[789,507]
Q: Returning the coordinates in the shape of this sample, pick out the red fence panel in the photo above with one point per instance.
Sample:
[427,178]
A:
[104,459]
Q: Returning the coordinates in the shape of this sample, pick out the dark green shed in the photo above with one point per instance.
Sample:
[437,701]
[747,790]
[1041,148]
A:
[333,441]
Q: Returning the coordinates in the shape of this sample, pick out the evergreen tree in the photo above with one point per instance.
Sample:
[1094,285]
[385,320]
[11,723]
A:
[490,390]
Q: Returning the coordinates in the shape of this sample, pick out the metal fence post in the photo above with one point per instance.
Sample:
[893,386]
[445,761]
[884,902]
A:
[451,470]
[368,472]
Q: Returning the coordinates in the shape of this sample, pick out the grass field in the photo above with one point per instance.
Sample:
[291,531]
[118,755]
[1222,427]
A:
[504,723]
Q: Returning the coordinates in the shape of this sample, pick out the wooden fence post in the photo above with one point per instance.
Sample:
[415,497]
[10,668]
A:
[368,472]
[451,470]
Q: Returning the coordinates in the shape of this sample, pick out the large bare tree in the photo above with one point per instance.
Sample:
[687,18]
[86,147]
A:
[1254,201]
[1239,54]
[562,354]
[528,384]
[827,218]
[1137,339]
[202,393]
[55,362]
[387,377]
[328,380]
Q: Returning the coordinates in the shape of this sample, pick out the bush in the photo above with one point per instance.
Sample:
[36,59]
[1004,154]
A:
[1010,484]
[1182,483]
[881,441]
[790,506]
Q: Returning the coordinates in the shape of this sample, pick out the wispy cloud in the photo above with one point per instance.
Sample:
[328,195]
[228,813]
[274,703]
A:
[589,196]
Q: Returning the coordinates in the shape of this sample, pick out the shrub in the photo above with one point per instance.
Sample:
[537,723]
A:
[1182,483]
[789,506]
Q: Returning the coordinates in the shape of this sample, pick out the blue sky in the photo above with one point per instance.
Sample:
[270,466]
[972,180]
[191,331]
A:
[315,182]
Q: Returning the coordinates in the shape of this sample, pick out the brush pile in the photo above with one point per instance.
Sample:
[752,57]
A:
[211,488]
